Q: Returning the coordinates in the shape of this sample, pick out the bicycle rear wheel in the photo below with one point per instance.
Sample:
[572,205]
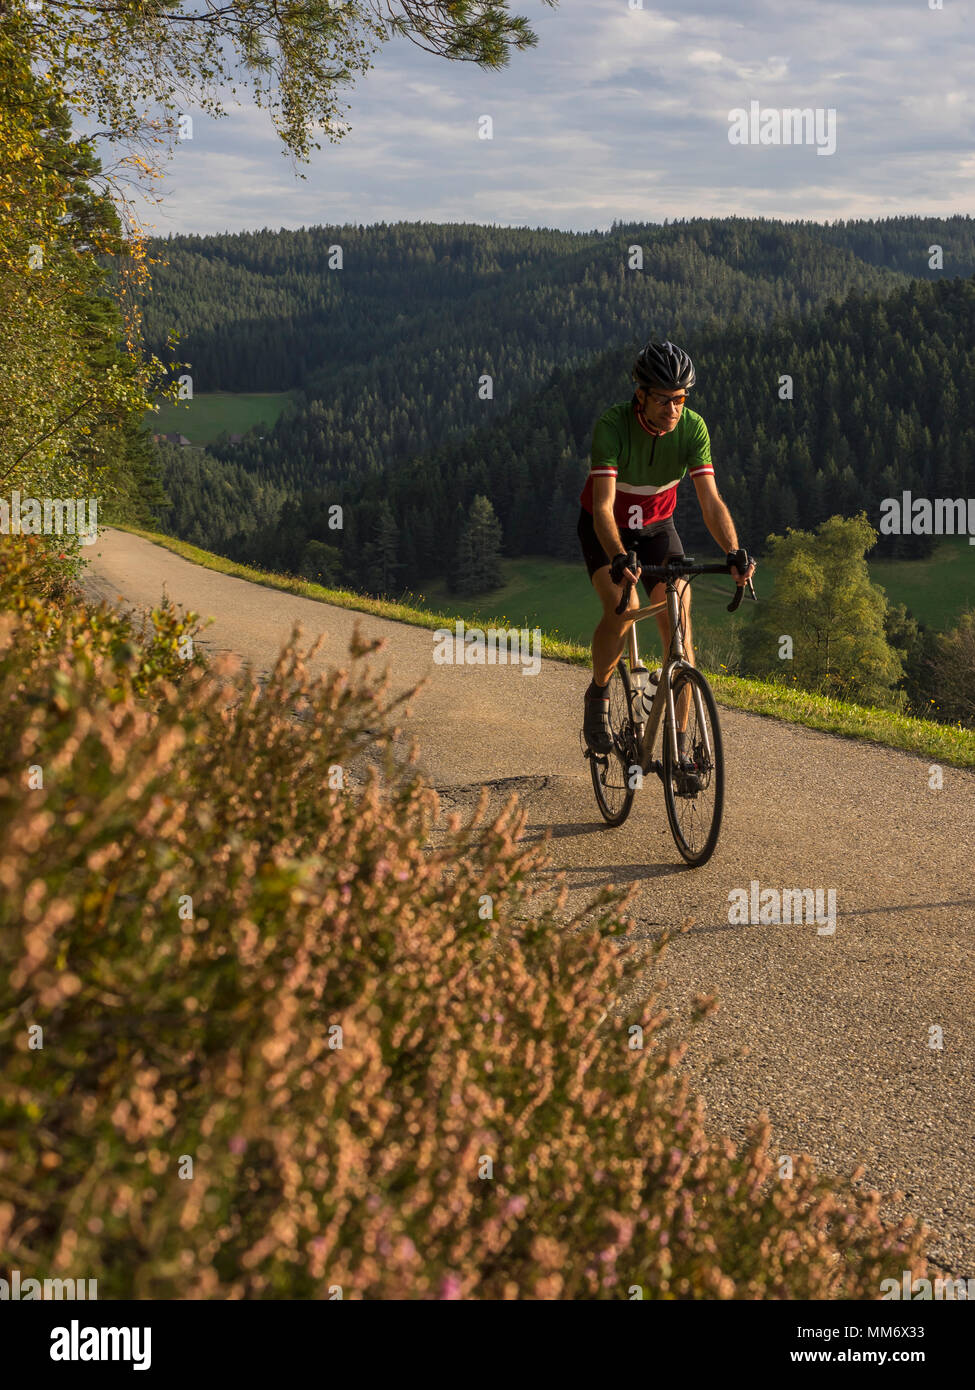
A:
[612,772]
[695,800]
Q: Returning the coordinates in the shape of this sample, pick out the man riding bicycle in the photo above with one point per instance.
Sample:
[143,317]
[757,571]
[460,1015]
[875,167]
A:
[641,449]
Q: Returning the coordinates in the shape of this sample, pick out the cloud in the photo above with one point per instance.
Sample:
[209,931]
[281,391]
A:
[620,113]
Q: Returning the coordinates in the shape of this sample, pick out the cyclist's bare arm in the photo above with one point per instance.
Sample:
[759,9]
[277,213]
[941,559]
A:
[718,520]
[604,522]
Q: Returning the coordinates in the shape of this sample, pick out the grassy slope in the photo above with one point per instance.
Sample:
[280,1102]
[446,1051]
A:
[936,742]
[209,414]
[559,598]
[936,590]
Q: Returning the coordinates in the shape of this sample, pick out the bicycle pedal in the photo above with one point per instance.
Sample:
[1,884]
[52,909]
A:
[589,756]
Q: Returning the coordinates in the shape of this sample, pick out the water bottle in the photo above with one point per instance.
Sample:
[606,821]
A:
[650,690]
[639,676]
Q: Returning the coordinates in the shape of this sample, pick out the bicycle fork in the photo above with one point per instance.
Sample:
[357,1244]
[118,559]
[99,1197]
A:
[648,724]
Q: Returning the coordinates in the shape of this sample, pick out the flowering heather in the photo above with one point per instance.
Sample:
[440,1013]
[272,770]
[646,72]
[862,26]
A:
[286,1051]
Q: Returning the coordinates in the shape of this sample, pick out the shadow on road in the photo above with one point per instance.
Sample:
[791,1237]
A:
[708,928]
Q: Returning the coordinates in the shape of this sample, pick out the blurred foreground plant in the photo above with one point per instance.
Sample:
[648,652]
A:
[292,1040]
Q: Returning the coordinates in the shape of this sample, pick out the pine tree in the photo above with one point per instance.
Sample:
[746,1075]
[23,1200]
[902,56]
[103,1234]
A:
[478,567]
[382,553]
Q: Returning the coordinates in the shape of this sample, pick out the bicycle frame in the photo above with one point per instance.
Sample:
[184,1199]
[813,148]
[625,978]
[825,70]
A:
[664,696]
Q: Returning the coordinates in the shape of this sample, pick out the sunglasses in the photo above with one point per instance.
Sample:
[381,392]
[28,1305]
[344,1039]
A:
[668,400]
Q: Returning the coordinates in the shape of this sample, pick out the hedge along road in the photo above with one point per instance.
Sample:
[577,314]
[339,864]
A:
[836,1030]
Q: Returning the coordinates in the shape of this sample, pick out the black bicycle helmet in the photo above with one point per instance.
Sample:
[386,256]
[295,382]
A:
[664,364]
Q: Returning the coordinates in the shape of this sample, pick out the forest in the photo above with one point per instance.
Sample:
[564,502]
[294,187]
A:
[444,364]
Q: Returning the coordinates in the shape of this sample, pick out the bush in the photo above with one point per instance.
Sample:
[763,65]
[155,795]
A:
[824,600]
[287,1047]
[953,664]
[38,584]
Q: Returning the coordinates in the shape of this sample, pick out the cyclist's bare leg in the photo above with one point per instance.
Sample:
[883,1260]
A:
[609,639]
[659,595]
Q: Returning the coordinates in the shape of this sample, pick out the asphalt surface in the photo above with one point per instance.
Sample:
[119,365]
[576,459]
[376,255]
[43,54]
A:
[829,1035]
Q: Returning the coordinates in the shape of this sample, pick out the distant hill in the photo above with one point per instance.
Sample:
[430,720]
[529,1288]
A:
[389,351]
[385,356]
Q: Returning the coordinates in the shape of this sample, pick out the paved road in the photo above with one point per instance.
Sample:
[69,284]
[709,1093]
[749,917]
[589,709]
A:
[837,1026]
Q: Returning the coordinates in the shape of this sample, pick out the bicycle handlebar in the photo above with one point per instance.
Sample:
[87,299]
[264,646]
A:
[682,567]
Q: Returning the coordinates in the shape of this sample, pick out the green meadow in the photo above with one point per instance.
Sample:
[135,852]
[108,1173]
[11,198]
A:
[936,590]
[211,413]
[557,596]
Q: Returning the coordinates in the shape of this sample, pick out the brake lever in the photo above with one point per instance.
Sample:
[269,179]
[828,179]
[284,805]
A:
[740,594]
[632,561]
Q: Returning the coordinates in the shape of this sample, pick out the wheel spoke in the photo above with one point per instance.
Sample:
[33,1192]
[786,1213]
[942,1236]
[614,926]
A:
[610,772]
[695,797]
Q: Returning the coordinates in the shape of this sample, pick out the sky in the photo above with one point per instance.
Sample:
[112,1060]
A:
[621,114]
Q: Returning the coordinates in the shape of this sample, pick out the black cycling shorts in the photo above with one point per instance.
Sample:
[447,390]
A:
[654,545]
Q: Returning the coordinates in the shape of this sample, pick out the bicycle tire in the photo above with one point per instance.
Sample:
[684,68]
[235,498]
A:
[695,855]
[614,811]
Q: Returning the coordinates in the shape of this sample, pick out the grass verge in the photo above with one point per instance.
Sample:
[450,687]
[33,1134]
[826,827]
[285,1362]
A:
[942,743]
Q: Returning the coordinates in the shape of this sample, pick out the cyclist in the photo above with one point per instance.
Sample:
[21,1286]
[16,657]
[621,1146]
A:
[640,451]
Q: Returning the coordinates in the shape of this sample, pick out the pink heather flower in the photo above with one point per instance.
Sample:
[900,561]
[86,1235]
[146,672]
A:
[516,1206]
[450,1287]
[407,1250]
[238,1144]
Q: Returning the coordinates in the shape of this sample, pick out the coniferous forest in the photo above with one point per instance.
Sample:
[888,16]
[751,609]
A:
[436,365]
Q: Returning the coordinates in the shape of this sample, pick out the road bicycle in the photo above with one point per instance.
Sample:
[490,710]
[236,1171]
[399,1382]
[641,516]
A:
[677,697]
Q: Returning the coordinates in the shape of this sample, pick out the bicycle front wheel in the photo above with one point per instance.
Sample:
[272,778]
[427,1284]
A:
[695,796]
[613,773]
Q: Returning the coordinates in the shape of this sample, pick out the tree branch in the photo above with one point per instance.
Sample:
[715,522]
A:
[46,435]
